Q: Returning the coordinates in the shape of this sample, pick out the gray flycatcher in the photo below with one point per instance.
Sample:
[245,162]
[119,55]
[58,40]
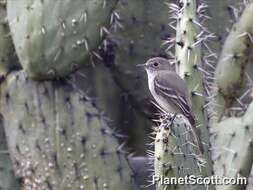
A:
[170,91]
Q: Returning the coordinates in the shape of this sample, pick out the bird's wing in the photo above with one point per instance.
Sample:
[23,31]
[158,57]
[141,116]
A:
[173,90]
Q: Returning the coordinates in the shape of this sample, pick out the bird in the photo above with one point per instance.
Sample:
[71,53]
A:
[170,91]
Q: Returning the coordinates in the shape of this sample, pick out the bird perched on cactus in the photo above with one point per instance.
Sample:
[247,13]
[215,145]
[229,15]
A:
[170,91]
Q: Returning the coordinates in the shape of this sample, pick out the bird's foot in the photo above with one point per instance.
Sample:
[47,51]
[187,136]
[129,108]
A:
[168,119]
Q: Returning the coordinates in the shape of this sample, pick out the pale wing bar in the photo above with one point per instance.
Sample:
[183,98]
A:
[174,97]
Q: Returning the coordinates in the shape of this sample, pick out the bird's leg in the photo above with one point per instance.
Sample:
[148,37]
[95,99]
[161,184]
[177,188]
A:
[172,118]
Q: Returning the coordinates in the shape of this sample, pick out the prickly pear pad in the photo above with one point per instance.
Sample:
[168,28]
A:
[54,38]
[58,140]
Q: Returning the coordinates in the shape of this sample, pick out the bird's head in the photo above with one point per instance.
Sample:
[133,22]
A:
[156,64]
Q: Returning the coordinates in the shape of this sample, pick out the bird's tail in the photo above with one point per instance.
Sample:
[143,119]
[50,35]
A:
[196,133]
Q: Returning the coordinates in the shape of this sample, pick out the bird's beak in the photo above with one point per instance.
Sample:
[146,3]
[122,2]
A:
[142,65]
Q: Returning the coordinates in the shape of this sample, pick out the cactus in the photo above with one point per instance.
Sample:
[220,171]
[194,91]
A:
[62,40]
[188,59]
[233,148]
[232,98]
[8,58]
[233,66]
[176,154]
[162,162]
[58,140]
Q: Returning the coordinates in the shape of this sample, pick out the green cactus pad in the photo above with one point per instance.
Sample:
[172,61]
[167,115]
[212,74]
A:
[232,145]
[54,38]
[58,140]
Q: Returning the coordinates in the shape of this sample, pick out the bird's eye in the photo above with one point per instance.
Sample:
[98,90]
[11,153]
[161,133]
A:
[155,64]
